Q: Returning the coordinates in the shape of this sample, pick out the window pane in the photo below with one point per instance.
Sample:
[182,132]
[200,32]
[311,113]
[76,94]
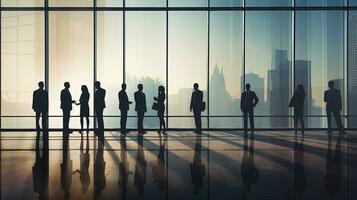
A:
[225,65]
[319,2]
[70,3]
[145,3]
[110,60]
[22,61]
[187,59]
[319,58]
[22,3]
[188,3]
[268,64]
[225,3]
[267,3]
[109,3]
[145,57]
[352,69]
[71,59]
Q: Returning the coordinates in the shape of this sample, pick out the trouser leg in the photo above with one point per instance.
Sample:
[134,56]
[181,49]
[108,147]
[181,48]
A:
[328,113]
[245,118]
[251,120]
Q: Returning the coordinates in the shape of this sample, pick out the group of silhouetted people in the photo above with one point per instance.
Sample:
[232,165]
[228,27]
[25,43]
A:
[249,100]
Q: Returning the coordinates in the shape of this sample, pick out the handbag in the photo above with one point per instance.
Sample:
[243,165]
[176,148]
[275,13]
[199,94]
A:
[155,106]
[292,102]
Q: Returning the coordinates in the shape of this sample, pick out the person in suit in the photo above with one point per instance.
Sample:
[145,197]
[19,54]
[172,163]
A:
[248,101]
[140,107]
[161,107]
[297,102]
[66,106]
[333,100]
[40,105]
[84,110]
[196,105]
[123,107]
[99,105]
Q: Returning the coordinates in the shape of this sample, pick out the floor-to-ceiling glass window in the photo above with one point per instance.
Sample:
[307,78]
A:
[352,69]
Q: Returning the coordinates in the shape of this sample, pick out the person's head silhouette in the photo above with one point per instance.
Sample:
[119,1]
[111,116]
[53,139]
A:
[247,87]
[331,84]
[195,86]
[140,87]
[123,86]
[161,88]
[84,89]
[67,85]
[41,85]
[300,88]
[97,84]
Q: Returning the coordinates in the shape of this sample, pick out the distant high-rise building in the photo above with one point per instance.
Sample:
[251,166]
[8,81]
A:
[352,70]
[279,84]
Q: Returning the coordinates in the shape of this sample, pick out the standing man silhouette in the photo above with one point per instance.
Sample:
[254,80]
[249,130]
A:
[66,106]
[123,107]
[99,105]
[196,106]
[332,97]
[140,107]
[40,105]
[248,101]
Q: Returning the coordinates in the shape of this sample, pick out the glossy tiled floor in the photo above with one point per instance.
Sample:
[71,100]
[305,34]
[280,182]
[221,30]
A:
[179,165]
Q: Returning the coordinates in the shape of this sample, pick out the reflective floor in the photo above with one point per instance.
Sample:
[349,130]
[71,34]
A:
[179,165]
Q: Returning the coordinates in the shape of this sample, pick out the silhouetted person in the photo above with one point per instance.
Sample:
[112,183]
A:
[333,176]
[84,158]
[249,171]
[297,102]
[333,100]
[123,107]
[161,107]
[140,107]
[84,110]
[66,167]
[299,169]
[140,167]
[158,166]
[197,106]
[248,101]
[198,169]
[40,105]
[123,166]
[99,105]
[66,106]
[99,169]
[41,167]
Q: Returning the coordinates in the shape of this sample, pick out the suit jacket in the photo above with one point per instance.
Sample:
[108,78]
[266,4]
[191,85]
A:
[123,100]
[333,100]
[40,101]
[248,100]
[196,100]
[99,99]
[66,100]
[140,101]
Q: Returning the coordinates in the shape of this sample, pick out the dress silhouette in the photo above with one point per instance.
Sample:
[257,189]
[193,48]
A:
[140,107]
[99,105]
[333,176]
[40,105]
[123,166]
[99,169]
[84,103]
[333,100]
[198,169]
[249,171]
[297,102]
[196,106]
[123,107]
[41,167]
[66,106]
[248,101]
[160,99]
[140,167]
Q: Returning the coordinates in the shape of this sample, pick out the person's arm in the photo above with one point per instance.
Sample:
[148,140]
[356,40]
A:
[46,102]
[33,100]
[339,100]
[191,102]
[325,97]
[256,100]
[241,101]
[145,103]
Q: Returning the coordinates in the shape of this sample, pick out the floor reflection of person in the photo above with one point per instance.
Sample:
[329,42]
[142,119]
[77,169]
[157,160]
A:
[99,168]
[84,158]
[333,174]
[40,168]
[140,167]
[66,167]
[299,169]
[249,171]
[198,169]
[158,167]
[123,166]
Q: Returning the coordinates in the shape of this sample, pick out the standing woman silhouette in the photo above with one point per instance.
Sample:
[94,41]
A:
[161,107]
[84,111]
[297,102]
